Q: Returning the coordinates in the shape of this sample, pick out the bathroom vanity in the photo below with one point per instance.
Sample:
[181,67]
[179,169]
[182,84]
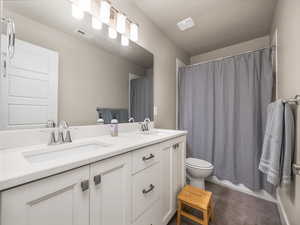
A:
[130,179]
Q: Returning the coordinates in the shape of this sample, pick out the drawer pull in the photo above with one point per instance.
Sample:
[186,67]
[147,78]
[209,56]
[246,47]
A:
[85,185]
[151,188]
[97,179]
[145,158]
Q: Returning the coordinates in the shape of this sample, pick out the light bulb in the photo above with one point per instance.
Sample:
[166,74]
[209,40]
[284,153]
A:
[124,40]
[134,32]
[112,33]
[96,23]
[105,12]
[85,5]
[77,12]
[121,23]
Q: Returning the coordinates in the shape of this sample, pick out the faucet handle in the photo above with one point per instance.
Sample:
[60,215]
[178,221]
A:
[51,124]
[63,124]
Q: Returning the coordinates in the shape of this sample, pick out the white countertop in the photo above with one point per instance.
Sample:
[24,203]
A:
[15,169]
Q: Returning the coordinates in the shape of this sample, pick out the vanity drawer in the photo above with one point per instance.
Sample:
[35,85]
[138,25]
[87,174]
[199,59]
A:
[146,189]
[145,158]
[152,216]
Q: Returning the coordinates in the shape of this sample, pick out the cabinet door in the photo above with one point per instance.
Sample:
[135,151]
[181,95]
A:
[110,191]
[55,200]
[173,176]
[178,169]
[167,200]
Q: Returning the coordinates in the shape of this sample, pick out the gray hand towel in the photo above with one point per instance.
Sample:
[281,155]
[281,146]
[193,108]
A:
[288,145]
[272,144]
[278,145]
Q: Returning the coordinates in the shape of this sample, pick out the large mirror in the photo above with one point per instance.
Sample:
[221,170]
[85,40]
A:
[63,68]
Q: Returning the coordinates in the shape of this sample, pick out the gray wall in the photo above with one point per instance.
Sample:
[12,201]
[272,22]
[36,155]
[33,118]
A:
[88,76]
[236,49]
[165,53]
[286,21]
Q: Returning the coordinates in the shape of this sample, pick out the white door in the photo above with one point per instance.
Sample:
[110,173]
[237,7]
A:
[167,200]
[57,200]
[110,191]
[29,84]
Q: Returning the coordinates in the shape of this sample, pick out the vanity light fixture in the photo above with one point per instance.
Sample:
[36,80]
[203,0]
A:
[105,11]
[77,13]
[112,33]
[96,23]
[85,5]
[121,23]
[134,32]
[124,40]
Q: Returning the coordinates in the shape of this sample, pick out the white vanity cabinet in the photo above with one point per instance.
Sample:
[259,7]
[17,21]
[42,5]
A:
[56,200]
[134,188]
[110,191]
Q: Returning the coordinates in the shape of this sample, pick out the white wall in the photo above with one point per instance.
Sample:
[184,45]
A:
[236,49]
[286,21]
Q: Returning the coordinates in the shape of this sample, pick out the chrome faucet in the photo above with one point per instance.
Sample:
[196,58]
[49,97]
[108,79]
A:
[131,120]
[61,139]
[145,126]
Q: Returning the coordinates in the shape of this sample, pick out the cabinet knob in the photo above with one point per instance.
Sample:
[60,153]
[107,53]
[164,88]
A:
[151,188]
[85,185]
[145,158]
[97,179]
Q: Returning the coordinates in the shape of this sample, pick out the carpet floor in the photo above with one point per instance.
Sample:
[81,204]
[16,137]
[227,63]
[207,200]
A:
[236,208]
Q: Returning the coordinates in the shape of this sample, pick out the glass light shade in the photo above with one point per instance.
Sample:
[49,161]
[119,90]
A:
[105,12]
[77,12]
[85,5]
[134,32]
[121,23]
[124,40]
[112,33]
[96,23]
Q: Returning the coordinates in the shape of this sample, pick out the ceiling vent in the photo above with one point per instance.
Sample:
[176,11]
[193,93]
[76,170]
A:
[186,24]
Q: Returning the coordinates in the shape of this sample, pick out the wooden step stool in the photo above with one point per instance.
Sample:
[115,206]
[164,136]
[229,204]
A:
[198,199]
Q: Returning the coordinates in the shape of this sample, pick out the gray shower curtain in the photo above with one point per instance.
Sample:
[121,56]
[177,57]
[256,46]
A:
[223,107]
[141,100]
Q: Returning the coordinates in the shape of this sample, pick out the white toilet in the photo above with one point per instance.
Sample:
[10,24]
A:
[197,171]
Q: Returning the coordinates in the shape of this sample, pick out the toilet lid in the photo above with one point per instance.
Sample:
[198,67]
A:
[199,163]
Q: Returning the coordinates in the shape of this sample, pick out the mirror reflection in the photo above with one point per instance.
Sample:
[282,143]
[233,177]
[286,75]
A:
[67,68]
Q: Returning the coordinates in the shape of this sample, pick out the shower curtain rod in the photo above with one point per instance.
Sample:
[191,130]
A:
[230,56]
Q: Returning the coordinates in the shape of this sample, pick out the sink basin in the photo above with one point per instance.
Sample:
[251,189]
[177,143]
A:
[62,151]
[154,132]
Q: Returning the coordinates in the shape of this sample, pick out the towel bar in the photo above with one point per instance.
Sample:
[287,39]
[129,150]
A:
[296,169]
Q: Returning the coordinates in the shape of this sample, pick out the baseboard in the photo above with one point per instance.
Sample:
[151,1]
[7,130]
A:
[282,213]
[241,188]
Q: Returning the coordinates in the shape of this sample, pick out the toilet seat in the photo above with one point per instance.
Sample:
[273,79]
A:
[198,163]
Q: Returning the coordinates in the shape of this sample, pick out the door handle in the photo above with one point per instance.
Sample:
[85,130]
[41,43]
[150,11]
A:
[296,169]
[145,158]
[97,179]
[151,188]
[85,185]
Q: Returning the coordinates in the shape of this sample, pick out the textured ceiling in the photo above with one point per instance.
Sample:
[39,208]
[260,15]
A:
[218,23]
